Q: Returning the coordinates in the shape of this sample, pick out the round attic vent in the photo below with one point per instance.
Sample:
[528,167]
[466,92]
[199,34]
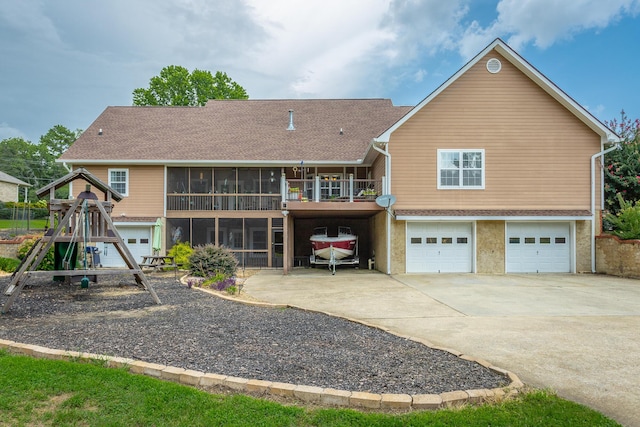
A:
[494,65]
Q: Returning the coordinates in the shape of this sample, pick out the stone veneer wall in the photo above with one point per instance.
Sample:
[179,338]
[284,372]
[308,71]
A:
[617,257]
[9,248]
[583,246]
[398,247]
[379,241]
[490,258]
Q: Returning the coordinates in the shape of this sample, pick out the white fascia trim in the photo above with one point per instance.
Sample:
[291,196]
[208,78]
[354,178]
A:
[493,218]
[520,63]
[285,163]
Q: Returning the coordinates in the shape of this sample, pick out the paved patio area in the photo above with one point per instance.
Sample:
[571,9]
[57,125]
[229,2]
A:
[576,334]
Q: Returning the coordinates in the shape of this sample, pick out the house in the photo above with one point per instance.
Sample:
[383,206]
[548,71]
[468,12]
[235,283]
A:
[496,171]
[10,187]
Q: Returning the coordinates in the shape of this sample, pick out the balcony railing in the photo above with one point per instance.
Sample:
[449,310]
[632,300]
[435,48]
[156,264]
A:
[228,202]
[304,190]
[334,190]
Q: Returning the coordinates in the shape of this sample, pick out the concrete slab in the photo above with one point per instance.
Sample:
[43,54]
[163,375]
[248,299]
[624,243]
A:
[576,334]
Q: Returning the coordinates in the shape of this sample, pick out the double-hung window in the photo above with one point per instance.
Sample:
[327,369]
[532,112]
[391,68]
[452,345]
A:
[119,180]
[460,169]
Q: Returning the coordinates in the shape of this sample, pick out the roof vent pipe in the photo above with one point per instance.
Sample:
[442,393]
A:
[291,127]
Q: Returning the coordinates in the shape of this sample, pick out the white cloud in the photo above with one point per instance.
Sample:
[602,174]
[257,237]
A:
[318,48]
[431,25]
[7,131]
[544,22]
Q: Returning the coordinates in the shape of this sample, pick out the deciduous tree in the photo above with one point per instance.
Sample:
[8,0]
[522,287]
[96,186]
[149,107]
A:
[36,163]
[176,86]
[622,167]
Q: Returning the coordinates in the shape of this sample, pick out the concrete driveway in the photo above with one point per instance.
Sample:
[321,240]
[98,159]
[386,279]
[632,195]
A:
[576,334]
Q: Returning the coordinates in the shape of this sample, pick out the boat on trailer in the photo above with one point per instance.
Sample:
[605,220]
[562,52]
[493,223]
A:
[334,250]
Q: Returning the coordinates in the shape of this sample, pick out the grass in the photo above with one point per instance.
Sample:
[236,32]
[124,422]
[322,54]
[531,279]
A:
[37,392]
[34,224]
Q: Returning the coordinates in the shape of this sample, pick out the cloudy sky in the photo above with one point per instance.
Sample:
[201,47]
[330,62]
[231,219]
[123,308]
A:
[64,61]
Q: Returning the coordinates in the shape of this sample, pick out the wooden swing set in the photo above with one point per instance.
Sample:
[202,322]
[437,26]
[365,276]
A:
[71,222]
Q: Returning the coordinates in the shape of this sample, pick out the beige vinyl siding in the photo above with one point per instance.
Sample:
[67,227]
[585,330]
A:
[537,154]
[146,190]
[377,168]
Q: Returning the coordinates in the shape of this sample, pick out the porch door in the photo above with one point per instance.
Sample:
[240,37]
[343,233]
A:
[330,185]
[277,248]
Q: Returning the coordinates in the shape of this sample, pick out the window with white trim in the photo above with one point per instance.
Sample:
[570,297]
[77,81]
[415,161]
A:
[459,169]
[119,180]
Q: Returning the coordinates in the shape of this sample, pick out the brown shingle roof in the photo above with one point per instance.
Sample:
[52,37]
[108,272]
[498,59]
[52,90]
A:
[238,130]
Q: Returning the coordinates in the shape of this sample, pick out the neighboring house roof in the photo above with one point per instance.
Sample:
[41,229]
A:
[5,177]
[232,131]
[530,71]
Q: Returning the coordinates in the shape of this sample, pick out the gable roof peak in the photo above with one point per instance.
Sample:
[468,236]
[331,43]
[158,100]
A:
[502,48]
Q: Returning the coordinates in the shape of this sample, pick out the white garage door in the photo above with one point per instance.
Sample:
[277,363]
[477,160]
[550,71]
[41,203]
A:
[137,239]
[538,248]
[439,247]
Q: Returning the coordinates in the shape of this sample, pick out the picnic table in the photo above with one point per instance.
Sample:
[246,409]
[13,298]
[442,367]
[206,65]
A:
[159,263]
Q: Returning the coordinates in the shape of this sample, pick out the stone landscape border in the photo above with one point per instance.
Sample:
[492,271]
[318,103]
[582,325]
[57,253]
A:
[303,393]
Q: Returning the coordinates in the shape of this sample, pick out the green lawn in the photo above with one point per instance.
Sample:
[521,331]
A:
[37,392]
[34,224]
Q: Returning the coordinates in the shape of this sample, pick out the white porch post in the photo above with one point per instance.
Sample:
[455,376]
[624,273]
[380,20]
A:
[351,187]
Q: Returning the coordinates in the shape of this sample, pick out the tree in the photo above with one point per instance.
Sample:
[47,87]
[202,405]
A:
[52,145]
[36,164]
[622,167]
[19,158]
[176,86]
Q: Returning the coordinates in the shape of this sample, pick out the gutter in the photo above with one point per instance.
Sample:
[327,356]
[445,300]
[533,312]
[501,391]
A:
[386,190]
[593,199]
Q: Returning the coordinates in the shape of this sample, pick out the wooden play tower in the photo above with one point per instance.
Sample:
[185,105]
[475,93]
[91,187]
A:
[76,222]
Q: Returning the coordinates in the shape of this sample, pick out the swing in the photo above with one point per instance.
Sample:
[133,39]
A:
[66,260]
[84,282]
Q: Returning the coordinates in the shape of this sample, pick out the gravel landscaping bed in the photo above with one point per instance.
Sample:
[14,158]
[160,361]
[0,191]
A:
[195,330]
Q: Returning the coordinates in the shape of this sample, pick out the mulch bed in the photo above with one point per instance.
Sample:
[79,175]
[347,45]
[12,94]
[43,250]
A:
[195,330]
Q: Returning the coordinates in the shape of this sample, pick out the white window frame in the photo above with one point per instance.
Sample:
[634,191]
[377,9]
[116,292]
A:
[126,180]
[460,185]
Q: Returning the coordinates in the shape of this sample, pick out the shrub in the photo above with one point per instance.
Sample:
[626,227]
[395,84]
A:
[212,282]
[9,264]
[209,260]
[626,223]
[48,263]
[181,252]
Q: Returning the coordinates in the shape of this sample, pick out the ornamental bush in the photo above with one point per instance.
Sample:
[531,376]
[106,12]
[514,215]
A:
[181,253]
[210,260]
[626,223]
[47,264]
[9,265]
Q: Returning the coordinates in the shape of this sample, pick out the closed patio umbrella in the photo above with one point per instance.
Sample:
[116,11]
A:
[156,244]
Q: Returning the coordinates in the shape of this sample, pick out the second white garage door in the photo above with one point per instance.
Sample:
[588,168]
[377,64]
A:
[439,247]
[538,247]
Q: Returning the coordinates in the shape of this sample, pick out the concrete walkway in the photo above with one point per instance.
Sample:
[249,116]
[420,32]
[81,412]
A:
[576,334]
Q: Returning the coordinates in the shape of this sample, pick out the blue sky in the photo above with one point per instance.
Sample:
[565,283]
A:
[64,61]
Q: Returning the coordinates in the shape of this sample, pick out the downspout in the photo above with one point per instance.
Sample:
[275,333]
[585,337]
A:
[387,190]
[593,202]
